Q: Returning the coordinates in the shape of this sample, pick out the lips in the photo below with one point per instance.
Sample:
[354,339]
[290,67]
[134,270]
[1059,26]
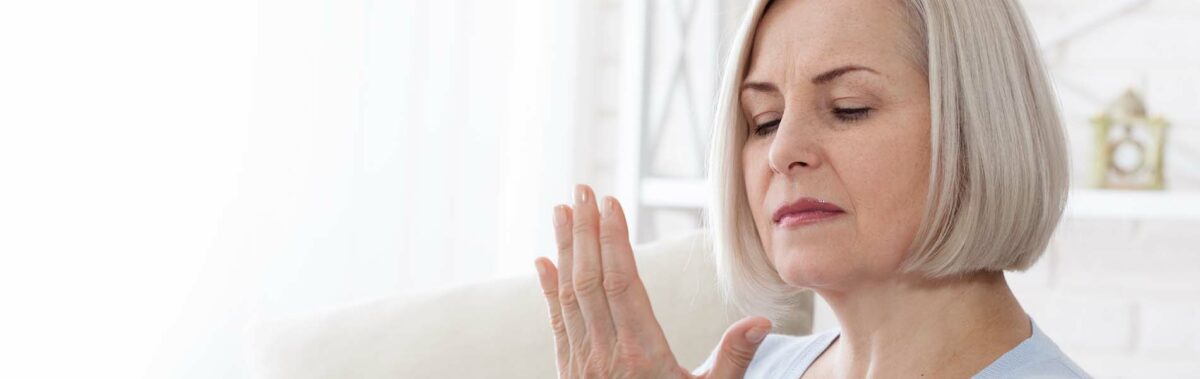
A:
[805,210]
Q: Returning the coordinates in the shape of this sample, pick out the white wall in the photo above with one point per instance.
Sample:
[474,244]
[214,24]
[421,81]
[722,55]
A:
[123,125]
[172,172]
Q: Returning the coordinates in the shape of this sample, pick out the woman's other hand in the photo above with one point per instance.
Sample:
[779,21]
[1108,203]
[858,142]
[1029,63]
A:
[599,309]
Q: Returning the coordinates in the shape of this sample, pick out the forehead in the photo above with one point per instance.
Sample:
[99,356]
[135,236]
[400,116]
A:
[800,37]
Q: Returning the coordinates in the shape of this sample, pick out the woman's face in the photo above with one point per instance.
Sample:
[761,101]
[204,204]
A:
[838,111]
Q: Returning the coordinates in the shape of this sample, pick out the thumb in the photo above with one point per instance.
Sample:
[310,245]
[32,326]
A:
[738,346]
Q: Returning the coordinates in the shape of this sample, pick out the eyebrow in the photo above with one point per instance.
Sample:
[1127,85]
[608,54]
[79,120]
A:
[826,77]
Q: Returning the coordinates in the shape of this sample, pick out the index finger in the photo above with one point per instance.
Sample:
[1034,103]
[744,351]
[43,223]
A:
[632,314]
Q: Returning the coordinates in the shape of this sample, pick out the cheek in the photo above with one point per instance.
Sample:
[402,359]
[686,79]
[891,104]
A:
[888,183]
[757,177]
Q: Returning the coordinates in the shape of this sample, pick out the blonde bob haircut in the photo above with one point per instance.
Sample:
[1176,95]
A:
[998,175]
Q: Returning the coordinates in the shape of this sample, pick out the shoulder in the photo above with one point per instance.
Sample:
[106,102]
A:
[1036,357]
[779,353]
[1058,367]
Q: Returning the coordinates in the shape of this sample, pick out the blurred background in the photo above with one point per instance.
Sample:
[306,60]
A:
[174,172]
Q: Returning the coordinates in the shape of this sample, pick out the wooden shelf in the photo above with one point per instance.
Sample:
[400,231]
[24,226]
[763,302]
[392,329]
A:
[1128,204]
[1083,203]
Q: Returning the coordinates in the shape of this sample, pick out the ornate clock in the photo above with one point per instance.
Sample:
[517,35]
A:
[1129,146]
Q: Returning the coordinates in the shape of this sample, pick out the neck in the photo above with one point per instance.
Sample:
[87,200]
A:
[915,326]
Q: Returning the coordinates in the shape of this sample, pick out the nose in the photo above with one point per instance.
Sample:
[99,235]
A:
[791,151]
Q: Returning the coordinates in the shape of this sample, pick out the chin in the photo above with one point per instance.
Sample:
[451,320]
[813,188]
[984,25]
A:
[813,267]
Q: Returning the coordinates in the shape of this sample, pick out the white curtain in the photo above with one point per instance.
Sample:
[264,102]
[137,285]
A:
[172,172]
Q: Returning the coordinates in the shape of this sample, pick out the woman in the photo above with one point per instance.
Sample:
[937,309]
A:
[895,157]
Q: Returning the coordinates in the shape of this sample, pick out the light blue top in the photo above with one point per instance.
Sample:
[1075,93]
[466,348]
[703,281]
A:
[786,356]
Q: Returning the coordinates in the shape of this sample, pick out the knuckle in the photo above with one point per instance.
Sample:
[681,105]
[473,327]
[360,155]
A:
[550,293]
[584,225]
[567,298]
[740,356]
[588,284]
[565,243]
[617,284]
[612,235]
[558,325]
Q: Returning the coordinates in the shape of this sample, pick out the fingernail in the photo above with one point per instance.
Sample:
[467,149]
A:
[607,208]
[581,195]
[560,215]
[756,335]
[541,269]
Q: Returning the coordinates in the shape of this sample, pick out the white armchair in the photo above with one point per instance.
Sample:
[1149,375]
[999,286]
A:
[494,329]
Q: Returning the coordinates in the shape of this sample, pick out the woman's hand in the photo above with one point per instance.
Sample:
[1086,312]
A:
[600,312]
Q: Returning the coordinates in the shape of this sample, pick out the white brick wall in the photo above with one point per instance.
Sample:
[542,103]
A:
[1122,297]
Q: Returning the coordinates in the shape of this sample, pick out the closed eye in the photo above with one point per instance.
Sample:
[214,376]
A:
[851,114]
[766,128]
[843,114]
